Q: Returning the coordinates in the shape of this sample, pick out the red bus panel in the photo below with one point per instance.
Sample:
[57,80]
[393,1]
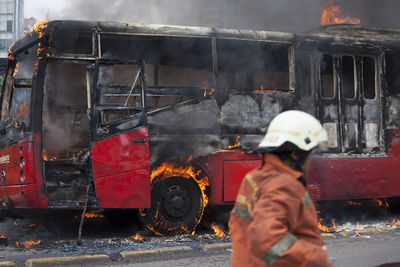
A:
[234,172]
[121,170]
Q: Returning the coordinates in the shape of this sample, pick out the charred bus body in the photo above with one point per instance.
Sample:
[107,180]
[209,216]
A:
[129,116]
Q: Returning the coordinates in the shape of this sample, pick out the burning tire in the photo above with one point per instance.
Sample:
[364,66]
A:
[177,206]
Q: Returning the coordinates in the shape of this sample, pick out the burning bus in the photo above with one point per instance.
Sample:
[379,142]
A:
[156,118]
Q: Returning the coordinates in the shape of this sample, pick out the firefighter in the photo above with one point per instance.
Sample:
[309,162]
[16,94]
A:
[274,221]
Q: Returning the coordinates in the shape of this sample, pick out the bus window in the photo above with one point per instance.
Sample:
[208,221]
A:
[369,77]
[65,122]
[114,85]
[348,76]
[326,68]
[70,42]
[173,66]
[16,108]
[392,60]
[252,65]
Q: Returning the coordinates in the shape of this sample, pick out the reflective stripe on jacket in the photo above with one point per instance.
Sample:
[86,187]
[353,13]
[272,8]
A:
[274,221]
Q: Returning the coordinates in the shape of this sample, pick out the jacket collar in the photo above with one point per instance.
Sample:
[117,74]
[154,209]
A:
[274,161]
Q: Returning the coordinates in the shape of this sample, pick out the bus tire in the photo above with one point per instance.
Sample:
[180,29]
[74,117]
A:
[177,206]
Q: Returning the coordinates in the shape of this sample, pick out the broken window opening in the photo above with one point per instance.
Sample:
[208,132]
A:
[245,65]
[326,78]
[71,42]
[16,108]
[120,94]
[392,60]
[368,67]
[65,121]
[176,68]
[348,77]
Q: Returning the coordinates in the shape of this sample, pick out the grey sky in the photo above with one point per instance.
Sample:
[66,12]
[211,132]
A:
[41,8]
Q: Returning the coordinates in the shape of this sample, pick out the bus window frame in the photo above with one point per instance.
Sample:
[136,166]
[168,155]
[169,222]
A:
[100,131]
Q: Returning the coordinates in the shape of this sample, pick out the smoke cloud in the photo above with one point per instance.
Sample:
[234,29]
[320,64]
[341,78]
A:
[280,15]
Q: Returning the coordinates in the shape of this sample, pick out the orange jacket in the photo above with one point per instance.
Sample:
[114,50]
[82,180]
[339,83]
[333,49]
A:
[274,221]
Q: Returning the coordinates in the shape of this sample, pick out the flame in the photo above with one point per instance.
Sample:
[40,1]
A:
[218,232]
[396,222]
[380,202]
[237,143]
[39,27]
[168,169]
[190,158]
[27,244]
[352,203]
[137,237]
[93,215]
[10,56]
[330,15]
[327,229]
[274,90]
[47,158]
[3,236]
[208,92]
[15,70]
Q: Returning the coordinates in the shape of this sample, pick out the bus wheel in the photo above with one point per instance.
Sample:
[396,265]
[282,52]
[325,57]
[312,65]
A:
[177,206]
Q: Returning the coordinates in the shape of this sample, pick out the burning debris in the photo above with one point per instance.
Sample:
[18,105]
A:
[137,237]
[27,244]
[218,231]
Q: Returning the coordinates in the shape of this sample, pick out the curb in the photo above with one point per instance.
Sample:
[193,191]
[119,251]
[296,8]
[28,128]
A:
[153,252]
[216,246]
[7,264]
[54,261]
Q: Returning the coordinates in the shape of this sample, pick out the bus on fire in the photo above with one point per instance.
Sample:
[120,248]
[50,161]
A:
[161,118]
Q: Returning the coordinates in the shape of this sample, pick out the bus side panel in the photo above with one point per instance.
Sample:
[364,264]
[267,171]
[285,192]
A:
[357,178]
[234,172]
[226,170]
[18,196]
[18,175]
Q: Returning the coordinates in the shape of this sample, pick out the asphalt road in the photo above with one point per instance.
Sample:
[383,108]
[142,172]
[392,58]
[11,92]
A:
[352,251]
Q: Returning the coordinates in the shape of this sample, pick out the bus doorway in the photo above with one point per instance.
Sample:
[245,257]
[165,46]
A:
[348,103]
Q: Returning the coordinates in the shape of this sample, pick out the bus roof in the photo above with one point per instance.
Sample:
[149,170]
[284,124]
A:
[342,34]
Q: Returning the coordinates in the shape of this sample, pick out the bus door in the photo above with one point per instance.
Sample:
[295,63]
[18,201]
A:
[348,103]
[120,143]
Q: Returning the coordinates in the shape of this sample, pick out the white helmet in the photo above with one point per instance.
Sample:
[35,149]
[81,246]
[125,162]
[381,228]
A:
[296,127]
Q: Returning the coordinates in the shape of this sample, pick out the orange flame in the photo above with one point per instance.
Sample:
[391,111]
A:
[47,157]
[352,203]
[208,92]
[190,158]
[168,169]
[39,27]
[93,215]
[380,203]
[27,244]
[396,222]
[15,70]
[3,236]
[137,237]
[327,229]
[330,15]
[237,143]
[218,232]
[274,90]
